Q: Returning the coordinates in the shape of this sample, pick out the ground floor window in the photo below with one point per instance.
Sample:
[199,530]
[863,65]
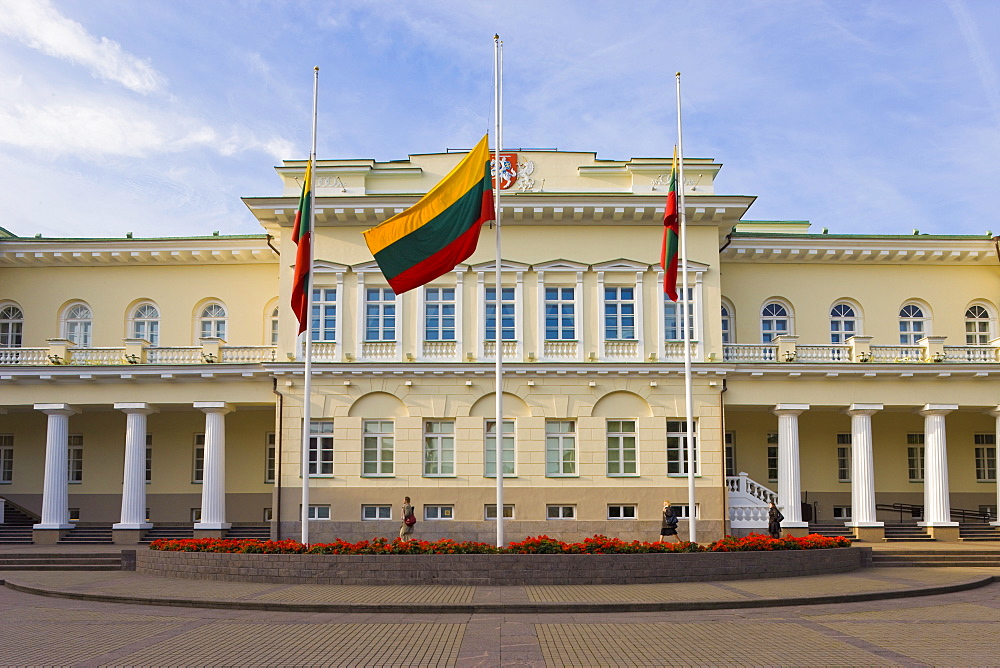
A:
[149,458]
[560,512]
[677,447]
[683,511]
[986,457]
[196,514]
[730,438]
[844,457]
[268,514]
[439,512]
[915,457]
[198,464]
[841,512]
[491,511]
[376,512]
[772,457]
[321,512]
[74,514]
[621,512]
[6,458]
[269,456]
[75,459]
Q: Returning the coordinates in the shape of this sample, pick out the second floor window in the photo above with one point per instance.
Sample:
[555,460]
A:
[320,448]
[213,322]
[727,325]
[773,322]
[507,308]
[843,323]
[490,444]
[11,327]
[912,325]
[439,314]
[323,322]
[439,448]
[146,324]
[677,449]
[78,325]
[377,448]
[380,314]
[977,326]
[623,448]
[672,318]
[619,313]
[560,448]
[560,314]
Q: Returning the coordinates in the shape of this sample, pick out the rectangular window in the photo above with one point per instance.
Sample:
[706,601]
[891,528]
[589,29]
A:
[621,512]
[682,511]
[730,441]
[490,511]
[507,310]
[672,317]
[323,321]
[623,448]
[377,449]
[196,514]
[376,512]
[74,514]
[270,452]
[320,448]
[439,448]
[198,468]
[844,457]
[439,512]
[75,459]
[915,457]
[439,314]
[268,514]
[320,512]
[560,314]
[560,512]
[841,512]
[619,314]
[560,448]
[772,457]
[677,452]
[986,457]
[6,459]
[380,314]
[490,444]
[149,458]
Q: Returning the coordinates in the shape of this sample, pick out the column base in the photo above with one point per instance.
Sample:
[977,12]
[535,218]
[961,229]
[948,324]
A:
[126,535]
[48,534]
[796,529]
[211,529]
[944,532]
[131,525]
[868,533]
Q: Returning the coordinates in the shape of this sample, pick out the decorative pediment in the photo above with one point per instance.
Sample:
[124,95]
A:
[505,265]
[366,267]
[325,267]
[560,265]
[693,267]
[621,265]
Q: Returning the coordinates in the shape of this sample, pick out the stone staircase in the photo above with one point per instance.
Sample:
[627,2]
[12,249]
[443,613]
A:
[936,558]
[88,535]
[978,531]
[830,529]
[908,532]
[168,533]
[80,561]
[242,532]
[17,523]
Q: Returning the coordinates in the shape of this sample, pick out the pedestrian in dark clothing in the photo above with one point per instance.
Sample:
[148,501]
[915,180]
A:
[669,525]
[409,519]
[774,519]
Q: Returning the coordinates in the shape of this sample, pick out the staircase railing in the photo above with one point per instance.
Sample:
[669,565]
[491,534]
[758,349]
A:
[748,502]
[917,511]
[35,517]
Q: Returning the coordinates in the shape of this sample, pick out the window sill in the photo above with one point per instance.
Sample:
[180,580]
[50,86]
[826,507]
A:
[378,475]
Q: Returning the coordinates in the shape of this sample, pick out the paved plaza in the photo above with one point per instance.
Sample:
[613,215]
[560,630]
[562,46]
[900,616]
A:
[320,625]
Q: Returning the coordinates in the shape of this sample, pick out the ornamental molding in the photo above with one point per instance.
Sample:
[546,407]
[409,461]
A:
[155,252]
[860,250]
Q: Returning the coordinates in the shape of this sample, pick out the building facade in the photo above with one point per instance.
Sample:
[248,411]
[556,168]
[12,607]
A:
[157,382]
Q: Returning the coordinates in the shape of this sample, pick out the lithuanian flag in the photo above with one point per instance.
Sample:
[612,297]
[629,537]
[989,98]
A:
[439,231]
[302,236]
[671,235]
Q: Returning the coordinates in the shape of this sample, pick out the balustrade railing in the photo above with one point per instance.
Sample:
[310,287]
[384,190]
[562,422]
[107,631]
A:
[561,350]
[830,353]
[323,351]
[186,355]
[742,352]
[26,356]
[897,354]
[748,502]
[621,350]
[97,356]
[510,350]
[440,350]
[971,354]
[248,354]
[379,350]
[673,351]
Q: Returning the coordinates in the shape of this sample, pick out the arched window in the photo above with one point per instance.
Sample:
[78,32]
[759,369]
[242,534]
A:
[728,323]
[774,321]
[11,326]
[212,323]
[146,323]
[978,326]
[78,325]
[913,325]
[843,322]
[273,321]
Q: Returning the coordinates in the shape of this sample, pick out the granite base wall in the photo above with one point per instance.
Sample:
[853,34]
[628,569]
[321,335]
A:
[499,569]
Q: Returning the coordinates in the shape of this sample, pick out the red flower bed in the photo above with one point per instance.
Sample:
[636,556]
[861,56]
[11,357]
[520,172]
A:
[531,545]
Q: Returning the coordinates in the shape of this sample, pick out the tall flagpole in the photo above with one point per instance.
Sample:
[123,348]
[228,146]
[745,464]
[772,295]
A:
[307,386]
[686,334]
[498,145]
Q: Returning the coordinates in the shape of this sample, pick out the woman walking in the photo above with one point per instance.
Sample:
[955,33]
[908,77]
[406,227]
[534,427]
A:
[669,525]
[774,519]
[409,519]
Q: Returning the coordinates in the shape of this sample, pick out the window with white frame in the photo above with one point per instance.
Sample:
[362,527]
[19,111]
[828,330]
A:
[844,449]
[730,443]
[677,451]
[622,511]
[6,459]
[560,314]
[146,323]
[439,314]
[683,512]
[843,322]
[149,458]
[268,514]
[380,512]
[507,324]
[11,326]
[842,513]
[270,456]
[774,321]
[915,457]
[212,322]
[978,326]
[274,325]
[380,314]
[323,321]
[728,324]
[74,514]
[986,457]
[490,511]
[377,448]
[560,448]
[75,458]
[913,325]
[439,448]
[198,459]
[319,512]
[490,453]
[320,448]
[439,512]
[619,313]
[672,317]
[78,325]
[623,448]
[554,512]
[772,457]
[195,515]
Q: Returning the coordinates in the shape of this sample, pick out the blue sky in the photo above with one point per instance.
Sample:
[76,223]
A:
[155,117]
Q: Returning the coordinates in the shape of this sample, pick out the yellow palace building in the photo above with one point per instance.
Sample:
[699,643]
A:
[154,387]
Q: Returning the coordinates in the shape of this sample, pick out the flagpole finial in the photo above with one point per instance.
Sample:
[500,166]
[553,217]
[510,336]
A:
[496,37]
[678,74]
[316,69]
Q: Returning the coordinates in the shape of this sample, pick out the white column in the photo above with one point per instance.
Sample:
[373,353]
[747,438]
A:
[862,466]
[937,505]
[134,478]
[789,485]
[996,414]
[55,488]
[213,486]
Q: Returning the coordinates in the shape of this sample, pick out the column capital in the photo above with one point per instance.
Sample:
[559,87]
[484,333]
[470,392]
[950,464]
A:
[995,412]
[790,409]
[863,409]
[214,407]
[57,409]
[937,409]
[137,407]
